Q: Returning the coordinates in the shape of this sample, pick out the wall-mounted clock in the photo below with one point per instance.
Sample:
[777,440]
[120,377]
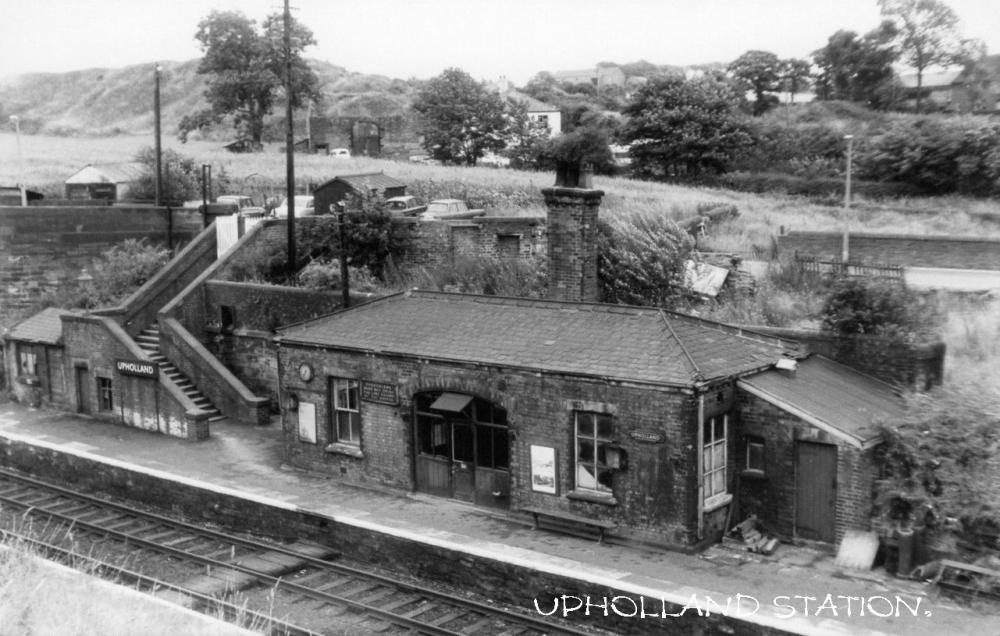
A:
[305,372]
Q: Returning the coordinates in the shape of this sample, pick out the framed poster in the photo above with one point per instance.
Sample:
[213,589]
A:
[307,422]
[543,469]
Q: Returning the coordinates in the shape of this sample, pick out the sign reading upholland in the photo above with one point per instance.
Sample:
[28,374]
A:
[140,368]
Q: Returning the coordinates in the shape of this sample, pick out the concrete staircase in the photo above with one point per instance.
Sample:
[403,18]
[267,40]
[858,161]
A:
[149,341]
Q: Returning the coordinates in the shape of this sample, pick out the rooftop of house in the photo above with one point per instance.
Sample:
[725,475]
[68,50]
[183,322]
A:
[835,398]
[637,344]
[122,172]
[45,327]
[366,182]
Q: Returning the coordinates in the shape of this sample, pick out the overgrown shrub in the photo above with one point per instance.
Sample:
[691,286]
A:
[815,187]
[326,275]
[862,306]
[938,155]
[518,277]
[940,461]
[641,260]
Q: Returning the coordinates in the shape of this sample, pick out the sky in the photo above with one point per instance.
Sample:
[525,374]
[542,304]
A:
[420,38]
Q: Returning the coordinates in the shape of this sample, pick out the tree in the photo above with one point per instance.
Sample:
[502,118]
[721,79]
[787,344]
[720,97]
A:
[927,34]
[683,127]
[857,68]
[462,119]
[585,144]
[246,70]
[859,306]
[181,176]
[760,72]
[795,75]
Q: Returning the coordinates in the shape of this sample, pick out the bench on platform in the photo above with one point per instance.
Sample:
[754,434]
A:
[569,523]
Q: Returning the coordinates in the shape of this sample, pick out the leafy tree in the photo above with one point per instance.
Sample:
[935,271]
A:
[462,119]
[927,34]
[585,144]
[119,271]
[857,68]
[246,70]
[526,139]
[684,128]
[760,72]
[543,87]
[794,76]
[181,176]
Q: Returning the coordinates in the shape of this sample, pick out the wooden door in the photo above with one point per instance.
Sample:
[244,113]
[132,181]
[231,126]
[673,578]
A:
[83,390]
[816,491]
[463,460]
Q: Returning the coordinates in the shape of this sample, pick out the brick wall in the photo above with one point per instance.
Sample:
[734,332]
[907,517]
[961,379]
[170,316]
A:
[771,496]
[897,249]
[656,495]
[44,248]
[433,243]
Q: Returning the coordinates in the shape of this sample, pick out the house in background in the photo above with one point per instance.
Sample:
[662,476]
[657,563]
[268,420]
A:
[538,112]
[108,181]
[599,76]
[972,89]
[977,87]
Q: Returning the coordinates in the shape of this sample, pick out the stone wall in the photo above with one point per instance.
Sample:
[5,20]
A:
[44,248]
[654,497]
[960,252]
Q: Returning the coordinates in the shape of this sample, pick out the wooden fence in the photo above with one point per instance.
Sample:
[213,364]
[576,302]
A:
[813,265]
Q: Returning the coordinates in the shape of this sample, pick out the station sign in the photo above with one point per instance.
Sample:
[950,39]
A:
[138,368]
[647,436]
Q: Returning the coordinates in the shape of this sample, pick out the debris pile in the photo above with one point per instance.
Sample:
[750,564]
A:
[753,536]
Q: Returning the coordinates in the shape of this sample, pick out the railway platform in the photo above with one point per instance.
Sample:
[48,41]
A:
[795,590]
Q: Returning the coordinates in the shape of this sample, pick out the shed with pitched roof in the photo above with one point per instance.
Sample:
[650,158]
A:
[35,358]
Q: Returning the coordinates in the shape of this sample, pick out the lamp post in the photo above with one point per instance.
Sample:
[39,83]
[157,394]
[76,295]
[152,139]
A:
[845,250]
[14,119]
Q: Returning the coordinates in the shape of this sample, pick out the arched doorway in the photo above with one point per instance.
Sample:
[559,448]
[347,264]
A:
[461,448]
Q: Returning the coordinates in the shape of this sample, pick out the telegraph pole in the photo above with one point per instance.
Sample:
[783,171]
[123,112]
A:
[156,117]
[289,142]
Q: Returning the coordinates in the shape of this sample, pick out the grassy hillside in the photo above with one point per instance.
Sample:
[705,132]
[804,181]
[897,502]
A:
[102,102]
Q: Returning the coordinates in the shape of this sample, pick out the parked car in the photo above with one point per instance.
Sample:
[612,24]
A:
[340,152]
[304,206]
[404,206]
[449,209]
[241,204]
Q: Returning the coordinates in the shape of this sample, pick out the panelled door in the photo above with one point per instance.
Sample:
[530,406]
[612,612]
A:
[461,448]
[82,376]
[816,491]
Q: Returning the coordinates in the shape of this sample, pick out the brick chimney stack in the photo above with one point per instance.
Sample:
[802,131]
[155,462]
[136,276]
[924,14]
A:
[572,233]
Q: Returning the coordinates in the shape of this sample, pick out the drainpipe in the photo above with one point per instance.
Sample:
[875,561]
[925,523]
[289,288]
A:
[700,470]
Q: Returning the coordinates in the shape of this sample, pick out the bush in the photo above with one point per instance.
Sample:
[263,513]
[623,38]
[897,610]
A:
[937,155]
[861,306]
[939,462]
[641,260]
[815,187]
[525,278]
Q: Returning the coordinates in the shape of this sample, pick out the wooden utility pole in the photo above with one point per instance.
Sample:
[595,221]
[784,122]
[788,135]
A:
[156,117]
[289,143]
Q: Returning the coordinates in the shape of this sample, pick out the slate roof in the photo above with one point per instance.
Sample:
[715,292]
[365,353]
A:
[45,327]
[123,172]
[831,396]
[367,181]
[610,341]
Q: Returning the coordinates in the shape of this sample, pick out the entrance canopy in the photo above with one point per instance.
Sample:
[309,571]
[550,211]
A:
[453,402]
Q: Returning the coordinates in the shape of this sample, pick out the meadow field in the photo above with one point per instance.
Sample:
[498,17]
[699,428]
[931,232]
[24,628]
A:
[48,161]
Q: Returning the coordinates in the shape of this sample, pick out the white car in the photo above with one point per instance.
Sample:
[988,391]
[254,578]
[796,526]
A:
[340,153]
[304,206]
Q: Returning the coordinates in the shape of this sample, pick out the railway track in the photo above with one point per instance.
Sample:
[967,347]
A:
[195,565]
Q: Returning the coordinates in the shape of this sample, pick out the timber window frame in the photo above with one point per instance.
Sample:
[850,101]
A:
[715,460]
[345,410]
[105,394]
[594,465]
